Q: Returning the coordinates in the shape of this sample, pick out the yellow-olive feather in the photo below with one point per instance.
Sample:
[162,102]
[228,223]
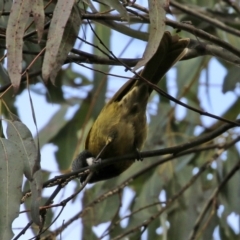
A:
[123,118]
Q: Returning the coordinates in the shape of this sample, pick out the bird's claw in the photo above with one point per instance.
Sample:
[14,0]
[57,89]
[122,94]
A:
[139,157]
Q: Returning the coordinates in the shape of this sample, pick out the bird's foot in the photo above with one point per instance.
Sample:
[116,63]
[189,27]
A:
[139,157]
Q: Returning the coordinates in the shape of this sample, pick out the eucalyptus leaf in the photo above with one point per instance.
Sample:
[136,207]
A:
[156,29]
[11,175]
[61,37]
[20,134]
[14,39]
[116,4]
[231,79]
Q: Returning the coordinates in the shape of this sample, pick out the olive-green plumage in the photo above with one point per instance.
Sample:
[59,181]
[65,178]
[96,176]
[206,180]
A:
[123,118]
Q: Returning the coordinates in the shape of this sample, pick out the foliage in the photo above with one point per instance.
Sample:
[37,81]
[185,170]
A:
[69,53]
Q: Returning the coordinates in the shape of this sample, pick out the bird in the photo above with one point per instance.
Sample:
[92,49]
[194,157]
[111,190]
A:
[121,126]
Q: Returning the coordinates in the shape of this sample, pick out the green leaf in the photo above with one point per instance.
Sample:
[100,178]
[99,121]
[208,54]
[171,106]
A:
[4,78]
[98,213]
[28,205]
[183,212]
[11,175]
[156,29]
[61,37]
[115,4]
[14,39]
[119,27]
[101,212]
[39,16]
[231,79]
[55,124]
[232,189]
[20,134]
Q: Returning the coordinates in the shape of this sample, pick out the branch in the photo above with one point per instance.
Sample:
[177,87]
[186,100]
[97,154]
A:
[184,188]
[211,200]
[174,151]
[183,26]
[131,178]
[233,4]
[184,8]
[195,49]
[204,35]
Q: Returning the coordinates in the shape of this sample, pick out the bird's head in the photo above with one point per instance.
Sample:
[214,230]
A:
[84,159]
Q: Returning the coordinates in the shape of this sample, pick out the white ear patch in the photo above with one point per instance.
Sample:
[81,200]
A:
[90,161]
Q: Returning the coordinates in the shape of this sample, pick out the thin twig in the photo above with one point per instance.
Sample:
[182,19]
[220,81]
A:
[233,4]
[129,180]
[211,200]
[176,151]
[184,188]
[193,12]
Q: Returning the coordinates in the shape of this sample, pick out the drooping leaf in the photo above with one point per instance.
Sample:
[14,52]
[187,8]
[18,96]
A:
[4,6]
[36,189]
[91,6]
[231,79]
[39,16]
[61,37]
[28,203]
[11,175]
[230,193]
[100,80]
[14,39]
[115,4]
[126,30]
[54,125]
[98,214]
[4,78]
[20,134]
[156,29]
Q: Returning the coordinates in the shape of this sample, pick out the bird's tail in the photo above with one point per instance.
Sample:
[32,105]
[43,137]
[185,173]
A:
[171,50]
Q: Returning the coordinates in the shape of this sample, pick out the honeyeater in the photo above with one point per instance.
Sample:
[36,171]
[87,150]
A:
[121,126]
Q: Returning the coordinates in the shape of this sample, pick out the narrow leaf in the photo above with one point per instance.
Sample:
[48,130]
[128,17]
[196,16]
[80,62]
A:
[68,40]
[115,4]
[36,188]
[61,37]
[231,79]
[20,134]
[55,124]
[14,39]
[91,6]
[5,6]
[38,15]
[156,29]
[11,172]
